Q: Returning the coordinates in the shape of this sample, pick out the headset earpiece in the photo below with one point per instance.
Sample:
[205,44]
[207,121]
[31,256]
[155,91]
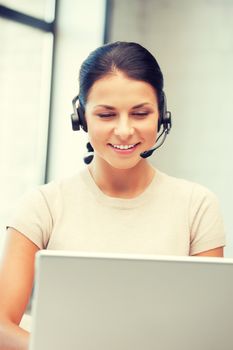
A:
[164,115]
[78,117]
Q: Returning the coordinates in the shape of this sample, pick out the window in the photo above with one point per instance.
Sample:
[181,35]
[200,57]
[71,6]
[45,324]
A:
[43,9]
[26,53]
[35,139]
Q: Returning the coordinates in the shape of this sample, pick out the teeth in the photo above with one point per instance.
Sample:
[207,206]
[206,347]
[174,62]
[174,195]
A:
[123,146]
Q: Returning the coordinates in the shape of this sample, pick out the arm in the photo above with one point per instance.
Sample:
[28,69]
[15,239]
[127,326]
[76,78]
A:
[217,252]
[207,232]
[16,281]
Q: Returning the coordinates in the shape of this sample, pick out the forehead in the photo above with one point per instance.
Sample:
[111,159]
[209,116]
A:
[115,89]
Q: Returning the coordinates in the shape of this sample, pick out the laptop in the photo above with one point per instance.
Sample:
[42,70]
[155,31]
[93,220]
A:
[131,302]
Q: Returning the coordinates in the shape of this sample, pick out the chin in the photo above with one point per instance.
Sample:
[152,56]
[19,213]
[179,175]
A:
[124,165]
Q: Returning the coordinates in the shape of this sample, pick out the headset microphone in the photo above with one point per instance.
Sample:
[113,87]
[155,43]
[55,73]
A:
[151,151]
[167,124]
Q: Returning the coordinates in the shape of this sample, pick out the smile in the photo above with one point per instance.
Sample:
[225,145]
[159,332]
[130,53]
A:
[123,148]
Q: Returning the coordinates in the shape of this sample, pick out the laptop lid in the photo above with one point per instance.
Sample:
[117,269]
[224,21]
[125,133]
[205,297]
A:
[119,302]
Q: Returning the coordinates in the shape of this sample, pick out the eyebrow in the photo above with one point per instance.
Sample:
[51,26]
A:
[141,105]
[134,107]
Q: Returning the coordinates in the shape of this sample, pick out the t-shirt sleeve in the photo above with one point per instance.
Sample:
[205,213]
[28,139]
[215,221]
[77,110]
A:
[32,218]
[206,222]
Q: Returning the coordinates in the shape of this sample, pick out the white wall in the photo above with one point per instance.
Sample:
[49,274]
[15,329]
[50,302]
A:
[80,30]
[193,42]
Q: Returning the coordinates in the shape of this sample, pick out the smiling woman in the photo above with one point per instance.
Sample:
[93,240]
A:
[122,120]
[119,203]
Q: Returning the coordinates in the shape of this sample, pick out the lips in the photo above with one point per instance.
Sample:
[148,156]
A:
[123,148]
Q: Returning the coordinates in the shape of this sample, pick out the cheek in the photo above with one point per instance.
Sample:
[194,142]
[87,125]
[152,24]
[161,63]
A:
[149,132]
[97,134]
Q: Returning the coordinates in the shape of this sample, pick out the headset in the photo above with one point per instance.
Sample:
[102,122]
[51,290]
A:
[165,121]
[78,117]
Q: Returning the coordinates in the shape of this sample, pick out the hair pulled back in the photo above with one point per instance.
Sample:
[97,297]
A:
[131,58]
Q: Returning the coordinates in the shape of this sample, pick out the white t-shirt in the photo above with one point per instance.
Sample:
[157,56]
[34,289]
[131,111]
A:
[171,217]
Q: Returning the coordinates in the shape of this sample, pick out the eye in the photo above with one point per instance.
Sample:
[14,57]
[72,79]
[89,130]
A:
[106,115]
[140,114]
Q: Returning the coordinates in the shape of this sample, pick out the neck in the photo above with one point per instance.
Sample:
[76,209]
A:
[123,183]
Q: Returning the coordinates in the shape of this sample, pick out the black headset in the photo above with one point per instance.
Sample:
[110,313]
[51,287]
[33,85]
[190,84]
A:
[78,120]
[165,117]
[78,117]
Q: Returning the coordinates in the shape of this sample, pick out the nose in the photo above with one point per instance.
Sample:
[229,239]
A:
[123,128]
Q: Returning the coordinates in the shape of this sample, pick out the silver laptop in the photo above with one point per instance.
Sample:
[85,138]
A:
[119,302]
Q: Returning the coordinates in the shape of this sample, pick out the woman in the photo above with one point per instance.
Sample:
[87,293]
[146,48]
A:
[119,203]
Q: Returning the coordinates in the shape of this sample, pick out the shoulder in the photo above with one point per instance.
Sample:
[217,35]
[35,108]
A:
[200,201]
[49,198]
[185,188]
[59,188]
[189,195]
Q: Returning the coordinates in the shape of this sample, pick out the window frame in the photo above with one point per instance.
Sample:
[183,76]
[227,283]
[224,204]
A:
[47,27]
